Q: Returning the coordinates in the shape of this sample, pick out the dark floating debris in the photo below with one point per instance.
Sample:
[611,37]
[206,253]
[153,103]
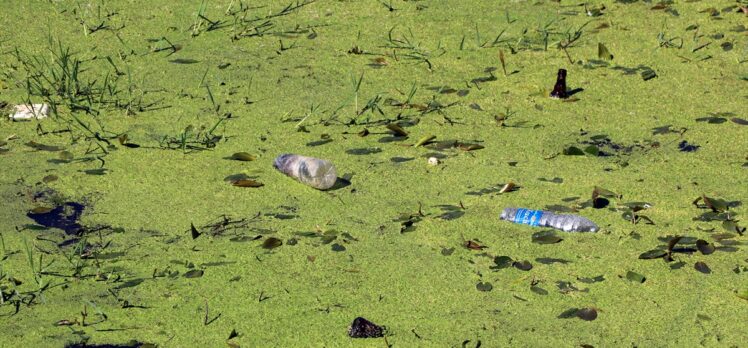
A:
[485,287]
[362,328]
[195,273]
[702,267]
[559,90]
[131,344]
[686,147]
[550,260]
[587,314]
[184,61]
[271,243]
[64,217]
[635,277]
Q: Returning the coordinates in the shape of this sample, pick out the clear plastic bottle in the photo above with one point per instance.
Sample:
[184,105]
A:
[544,218]
[315,172]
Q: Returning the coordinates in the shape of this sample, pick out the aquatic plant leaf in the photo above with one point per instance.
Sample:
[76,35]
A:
[502,262]
[50,178]
[732,226]
[195,273]
[702,267]
[271,243]
[42,147]
[395,128]
[362,328]
[704,247]
[522,265]
[538,290]
[592,150]
[447,251]
[233,334]
[653,254]
[243,156]
[573,151]
[425,140]
[712,119]
[97,171]
[603,53]
[743,294]
[481,286]
[648,74]
[337,247]
[473,245]
[587,314]
[247,183]
[635,277]
[469,147]
[739,121]
[195,233]
[508,187]
[546,237]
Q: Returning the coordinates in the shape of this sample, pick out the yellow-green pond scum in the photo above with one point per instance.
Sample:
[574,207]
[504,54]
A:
[182,244]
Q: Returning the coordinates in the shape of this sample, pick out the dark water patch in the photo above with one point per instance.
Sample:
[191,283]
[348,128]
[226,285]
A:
[401,159]
[363,151]
[184,61]
[318,142]
[64,217]
[550,260]
[392,139]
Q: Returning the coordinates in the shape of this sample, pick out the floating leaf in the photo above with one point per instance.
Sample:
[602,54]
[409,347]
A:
[271,243]
[648,74]
[702,267]
[195,273]
[603,53]
[469,147]
[447,251]
[247,183]
[522,265]
[635,277]
[233,334]
[596,279]
[425,140]
[481,286]
[66,156]
[97,171]
[573,151]
[538,290]
[704,247]
[473,245]
[546,237]
[42,147]
[653,254]
[550,260]
[243,156]
[587,314]
[684,146]
[337,247]
[508,187]
[739,121]
[395,128]
[502,262]
[732,226]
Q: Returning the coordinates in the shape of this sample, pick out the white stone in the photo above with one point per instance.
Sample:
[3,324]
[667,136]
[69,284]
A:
[25,112]
[433,161]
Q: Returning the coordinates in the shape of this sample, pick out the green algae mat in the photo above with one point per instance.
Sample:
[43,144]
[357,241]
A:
[145,211]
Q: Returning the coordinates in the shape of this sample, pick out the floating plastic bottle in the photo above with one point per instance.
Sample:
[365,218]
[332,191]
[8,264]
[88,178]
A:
[315,172]
[544,218]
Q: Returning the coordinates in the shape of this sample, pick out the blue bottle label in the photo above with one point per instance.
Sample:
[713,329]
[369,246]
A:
[528,217]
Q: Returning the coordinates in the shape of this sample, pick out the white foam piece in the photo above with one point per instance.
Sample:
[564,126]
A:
[25,112]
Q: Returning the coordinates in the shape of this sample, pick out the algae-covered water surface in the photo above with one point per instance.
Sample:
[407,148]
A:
[145,211]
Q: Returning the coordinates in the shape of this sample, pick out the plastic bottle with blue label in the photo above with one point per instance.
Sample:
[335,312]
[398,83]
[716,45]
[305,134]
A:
[544,218]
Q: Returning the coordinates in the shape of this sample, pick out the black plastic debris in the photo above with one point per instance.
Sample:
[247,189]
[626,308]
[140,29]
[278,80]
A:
[559,90]
[362,328]
[686,147]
